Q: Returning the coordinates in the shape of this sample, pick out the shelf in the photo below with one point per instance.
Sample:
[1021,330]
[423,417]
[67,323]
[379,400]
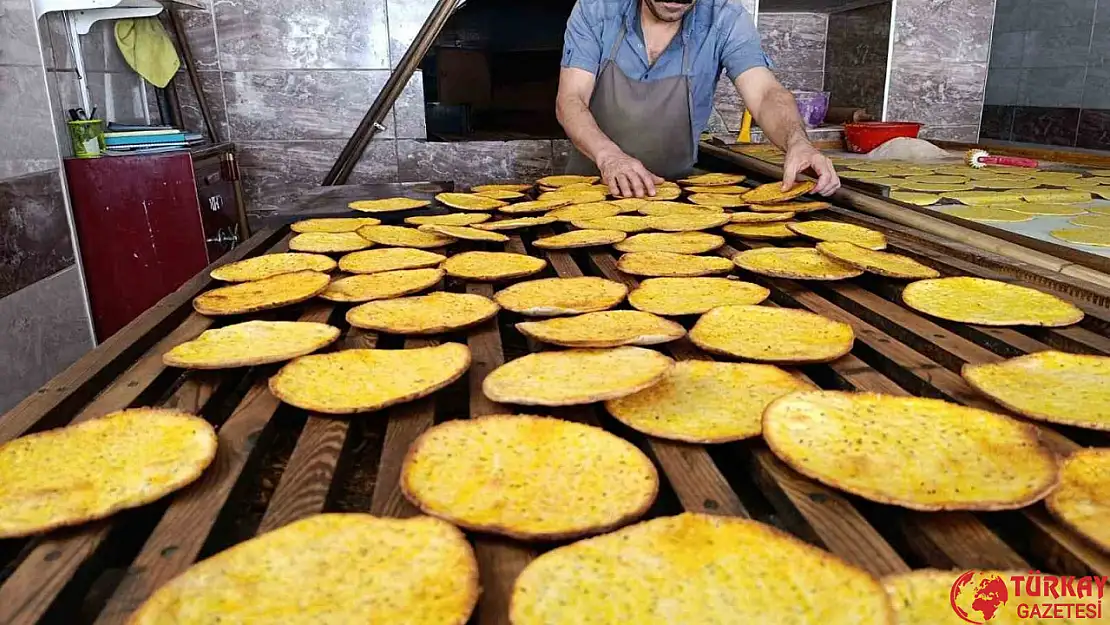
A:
[85,13]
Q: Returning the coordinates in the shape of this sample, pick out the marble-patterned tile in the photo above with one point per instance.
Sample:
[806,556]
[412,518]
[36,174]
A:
[997,122]
[200,29]
[409,110]
[1057,47]
[1094,129]
[801,81]
[963,134]
[18,42]
[405,19]
[26,122]
[952,31]
[1003,86]
[1007,49]
[937,94]
[728,105]
[1096,87]
[794,42]
[561,150]
[1049,126]
[34,234]
[474,162]
[292,34]
[1052,87]
[44,328]
[857,87]
[212,86]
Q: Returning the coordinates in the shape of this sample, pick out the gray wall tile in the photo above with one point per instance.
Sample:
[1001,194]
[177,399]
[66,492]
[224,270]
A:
[952,31]
[25,121]
[18,43]
[1008,50]
[34,234]
[409,110]
[1096,89]
[200,29]
[405,19]
[1049,87]
[856,60]
[794,41]
[801,81]
[1002,86]
[213,87]
[1010,15]
[1052,14]
[941,95]
[1059,47]
[474,161]
[966,134]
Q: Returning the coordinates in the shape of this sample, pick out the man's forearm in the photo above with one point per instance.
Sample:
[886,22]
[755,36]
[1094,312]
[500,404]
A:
[779,118]
[582,129]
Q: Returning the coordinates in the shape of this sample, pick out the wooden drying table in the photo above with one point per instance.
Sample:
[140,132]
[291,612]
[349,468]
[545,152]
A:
[277,464]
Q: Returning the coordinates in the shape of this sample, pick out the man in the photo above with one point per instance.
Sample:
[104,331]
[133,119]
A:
[636,89]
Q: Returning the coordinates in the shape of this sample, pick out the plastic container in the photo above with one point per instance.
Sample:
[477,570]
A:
[813,106]
[863,137]
[87,137]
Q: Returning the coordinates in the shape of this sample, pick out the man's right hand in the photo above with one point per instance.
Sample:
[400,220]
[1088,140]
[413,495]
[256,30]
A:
[626,176]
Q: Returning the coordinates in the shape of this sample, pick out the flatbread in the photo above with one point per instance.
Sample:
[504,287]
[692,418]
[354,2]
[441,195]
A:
[552,297]
[923,454]
[689,223]
[763,231]
[776,335]
[1054,210]
[550,479]
[452,219]
[519,187]
[501,194]
[1072,389]
[434,313]
[492,266]
[580,238]
[623,223]
[576,376]
[270,265]
[469,201]
[592,210]
[329,568]
[989,303]
[1092,221]
[400,236]
[389,259]
[338,224]
[925,597]
[983,198]
[1007,184]
[836,231]
[674,242]
[1102,192]
[713,180]
[387,205]
[663,209]
[1082,502]
[576,197]
[719,200]
[799,263]
[562,181]
[910,197]
[465,233]
[694,296]
[878,263]
[539,206]
[694,568]
[251,343]
[1099,210]
[772,193]
[939,179]
[372,379]
[932,187]
[760,218]
[1098,237]
[1056,196]
[707,402]
[609,328]
[793,207]
[666,264]
[717,190]
[987,213]
[516,224]
[383,285]
[666,192]
[265,294]
[91,470]
[634,204]
[329,242]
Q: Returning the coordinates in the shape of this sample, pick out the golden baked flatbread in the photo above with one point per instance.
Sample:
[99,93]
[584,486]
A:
[1099,237]
[576,376]
[251,343]
[1053,210]
[329,568]
[799,263]
[924,454]
[434,313]
[878,263]
[623,223]
[518,187]
[1056,196]
[516,224]
[501,194]
[492,266]
[383,285]
[592,210]
[989,302]
[911,197]
[580,238]
[760,231]
[1099,210]
[389,259]
[552,297]
[772,193]
[562,181]
[707,402]
[1082,502]
[760,218]
[674,242]
[689,223]
[793,207]
[713,180]
[634,204]
[667,264]
[693,296]
[666,192]
[270,265]
[372,379]
[93,469]
[1004,184]
[984,198]
[452,219]
[778,335]
[264,294]
[591,196]
[539,206]
[550,479]
[663,209]
[929,187]
[719,200]
[939,179]
[469,201]
[925,597]
[1092,221]
[987,213]
[465,233]
[339,224]
[717,190]
[1102,192]
[836,231]
[609,328]
[329,242]
[387,205]
[400,236]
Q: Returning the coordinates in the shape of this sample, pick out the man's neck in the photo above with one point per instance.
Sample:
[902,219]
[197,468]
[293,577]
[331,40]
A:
[657,33]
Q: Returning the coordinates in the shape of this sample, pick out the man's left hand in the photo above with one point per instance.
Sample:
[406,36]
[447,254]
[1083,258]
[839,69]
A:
[802,156]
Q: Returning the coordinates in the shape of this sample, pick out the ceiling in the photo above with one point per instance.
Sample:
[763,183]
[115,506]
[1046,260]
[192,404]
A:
[814,6]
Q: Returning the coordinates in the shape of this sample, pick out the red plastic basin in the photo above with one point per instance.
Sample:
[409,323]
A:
[862,137]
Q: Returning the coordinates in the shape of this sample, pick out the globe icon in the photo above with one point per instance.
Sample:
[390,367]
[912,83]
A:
[977,597]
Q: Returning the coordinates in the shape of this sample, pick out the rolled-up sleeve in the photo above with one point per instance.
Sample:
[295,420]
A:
[741,50]
[582,42]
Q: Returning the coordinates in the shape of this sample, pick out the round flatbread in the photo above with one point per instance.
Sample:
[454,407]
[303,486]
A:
[987,213]
[339,224]
[264,294]
[1099,210]
[563,181]
[387,205]
[634,204]
[717,190]
[694,296]
[694,568]
[434,313]
[452,219]
[1092,221]
[580,238]
[389,259]
[930,597]
[359,569]
[329,242]
[777,335]
[492,266]
[664,209]
[1003,184]
[372,379]
[553,479]
[623,223]
[1053,210]
[793,207]
[673,242]
[707,402]
[501,194]
[927,187]
[760,231]
[718,200]
[989,303]
[610,328]
[938,179]
[251,343]
[91,470]
[270,265]
[667,264]
[592,210]
[1102,192]
[465,233]
[1097,237]
[517,224]
[1056,196]
[538,206]
[576,376]
[760,218]
[592,196]
[400,236]
[878,263]
[469,201]
[923,454]
[518,187]
[983,198]
[1072,389]
[772,193]
[920,199]
[383,285]
[713,180]
[836,231]
[1082,502]
[799,263]
[666,192]
[689,223]
[552,297]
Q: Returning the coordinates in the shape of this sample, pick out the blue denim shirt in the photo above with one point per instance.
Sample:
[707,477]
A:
[720,33]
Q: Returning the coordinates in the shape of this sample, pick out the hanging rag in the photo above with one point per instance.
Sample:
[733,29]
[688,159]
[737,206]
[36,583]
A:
[148,49]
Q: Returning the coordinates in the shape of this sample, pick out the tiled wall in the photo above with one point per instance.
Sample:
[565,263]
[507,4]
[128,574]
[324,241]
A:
[1049,79]
[856,57]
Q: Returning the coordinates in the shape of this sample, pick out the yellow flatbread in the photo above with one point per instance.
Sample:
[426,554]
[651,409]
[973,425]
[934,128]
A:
[465,233]
[987,213]
[270,265]
[931,187]
[1056,175]
[563,181]
[518,223]
[720,201]
[575,197]
[878,263]
[1082,502]
[93,469]
[799,263]
[359,569]
[1053,210]
[938,179]
[383,285]
[713,180]
[760,218]
[1102,192]
[707,402]
[578,186]
[666,192]
[674,242]
[1072,389]
[592,210]
[717,190]
[774,230]
[372,379]
[663,209]
[772,193]
[265,294]
[1092,221]
[1099,210]
[453,219]
[634,204]
[777,335]
[693,296]
[469,201]
[580,238]
[793,207]
[518,187]
[387,205]
[910,197]
[576,376]
[389,259]
[925,597]
[1098,237]
[539,206]
[329,242]
[553,479]
[1056,196]
[501,194]
[689,223]
[989,302]
[667,264]
[434,313]
[693,568]
[339,224]
[836,231]
[623,223]
[983,198]
[400,236]
[551,297]
[492,266]
[609,328]
[1102,173]
[1008,184]
[251,343]
[923,454]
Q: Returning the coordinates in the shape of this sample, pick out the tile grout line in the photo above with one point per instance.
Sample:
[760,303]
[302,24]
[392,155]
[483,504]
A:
[1086,70]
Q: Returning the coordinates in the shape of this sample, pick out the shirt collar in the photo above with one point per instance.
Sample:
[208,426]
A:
[632,20]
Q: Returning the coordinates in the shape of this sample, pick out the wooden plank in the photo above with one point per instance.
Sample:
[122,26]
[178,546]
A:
[1063,550]
[486,355]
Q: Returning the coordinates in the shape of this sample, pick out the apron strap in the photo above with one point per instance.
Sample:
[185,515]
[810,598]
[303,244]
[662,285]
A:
[618,42]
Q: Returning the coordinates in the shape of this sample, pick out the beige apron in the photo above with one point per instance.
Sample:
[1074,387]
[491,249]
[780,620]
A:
[649,120]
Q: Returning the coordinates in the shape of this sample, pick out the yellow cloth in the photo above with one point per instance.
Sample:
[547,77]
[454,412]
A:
[148,49]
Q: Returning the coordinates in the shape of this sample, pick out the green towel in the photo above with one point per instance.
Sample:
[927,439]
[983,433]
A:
[148,49]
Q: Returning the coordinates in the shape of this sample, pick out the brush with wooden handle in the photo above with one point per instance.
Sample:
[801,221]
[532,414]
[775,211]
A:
[981,158]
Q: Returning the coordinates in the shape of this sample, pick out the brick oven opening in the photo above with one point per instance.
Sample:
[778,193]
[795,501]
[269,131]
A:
[493,72]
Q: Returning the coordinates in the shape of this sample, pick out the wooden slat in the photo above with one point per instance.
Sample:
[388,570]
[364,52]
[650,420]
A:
[486,355]
[1062,549]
